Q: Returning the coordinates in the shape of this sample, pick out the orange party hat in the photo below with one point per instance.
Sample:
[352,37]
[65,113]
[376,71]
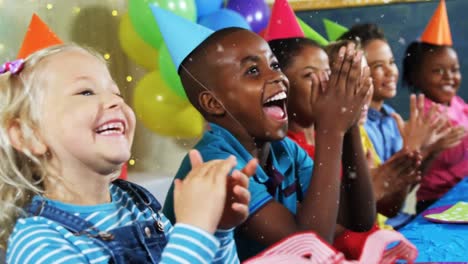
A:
[38,36]
[283,23]
[437,31]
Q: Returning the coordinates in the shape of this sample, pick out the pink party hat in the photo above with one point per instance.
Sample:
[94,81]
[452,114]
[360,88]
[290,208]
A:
[283,23]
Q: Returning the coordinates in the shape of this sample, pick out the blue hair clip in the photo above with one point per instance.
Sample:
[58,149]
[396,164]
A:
[14,67]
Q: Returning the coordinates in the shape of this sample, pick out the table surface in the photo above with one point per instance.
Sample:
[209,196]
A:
[441,242]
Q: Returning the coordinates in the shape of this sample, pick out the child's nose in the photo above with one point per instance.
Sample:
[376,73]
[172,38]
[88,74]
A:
[112,100]
[278,77]
[447,74]
[391,70]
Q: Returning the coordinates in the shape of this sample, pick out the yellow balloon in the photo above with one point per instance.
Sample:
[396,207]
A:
[137,49]
[162,111]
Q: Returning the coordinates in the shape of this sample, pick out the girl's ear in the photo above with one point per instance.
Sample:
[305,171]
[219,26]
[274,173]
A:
[16,136]
[210,104]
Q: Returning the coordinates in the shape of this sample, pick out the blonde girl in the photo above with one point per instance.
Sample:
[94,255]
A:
[65,132]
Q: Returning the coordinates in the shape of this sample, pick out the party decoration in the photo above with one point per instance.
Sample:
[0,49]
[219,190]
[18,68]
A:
[144,23]
[38,36]
[262,33]
[189,35]
[333,29]
[138,50]
[311,33]
[206,7]
[256,12]
[14,67]
[169,72]
[437,31]
[283,23]
[162,112]
[124,172]
[223,18]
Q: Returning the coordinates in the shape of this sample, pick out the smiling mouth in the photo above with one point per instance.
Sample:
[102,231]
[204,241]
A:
[448,88]
[275,106]
[389,85]
[111,128]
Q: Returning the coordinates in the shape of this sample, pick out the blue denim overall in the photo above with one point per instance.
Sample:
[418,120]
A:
[141,242]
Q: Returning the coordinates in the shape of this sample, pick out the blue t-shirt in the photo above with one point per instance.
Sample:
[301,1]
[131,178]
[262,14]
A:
[383,132]
[287,158]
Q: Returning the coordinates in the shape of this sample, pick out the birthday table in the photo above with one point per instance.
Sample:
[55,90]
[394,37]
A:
[440,242]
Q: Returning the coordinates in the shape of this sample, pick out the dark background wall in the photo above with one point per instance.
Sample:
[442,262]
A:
[402,23]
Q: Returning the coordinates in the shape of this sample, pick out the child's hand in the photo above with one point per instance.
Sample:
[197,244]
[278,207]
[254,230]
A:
[445,136]
[236,208]
[199,198]
[419,129]
[340,103]
[448,138]
[399,172]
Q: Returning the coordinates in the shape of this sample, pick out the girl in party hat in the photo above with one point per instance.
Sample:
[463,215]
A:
[431,66]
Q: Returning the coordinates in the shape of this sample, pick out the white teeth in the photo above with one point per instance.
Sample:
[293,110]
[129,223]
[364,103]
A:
[447,88]
[277,97]
[111,128]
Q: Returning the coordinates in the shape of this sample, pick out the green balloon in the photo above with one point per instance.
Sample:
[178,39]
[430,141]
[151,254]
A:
[169,73]
[145,24]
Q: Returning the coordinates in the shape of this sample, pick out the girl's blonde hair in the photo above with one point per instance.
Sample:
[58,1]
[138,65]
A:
[21,172]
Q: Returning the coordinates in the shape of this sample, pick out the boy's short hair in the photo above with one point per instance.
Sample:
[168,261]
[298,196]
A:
[194,70]
[286,49]
[364,33]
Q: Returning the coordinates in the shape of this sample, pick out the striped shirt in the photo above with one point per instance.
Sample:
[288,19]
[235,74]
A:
[39,240]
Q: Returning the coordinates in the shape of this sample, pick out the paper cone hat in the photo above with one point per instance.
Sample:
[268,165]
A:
[182,36]
[437,31]
[283,23]
[38,36]
[311,33]
[334,30]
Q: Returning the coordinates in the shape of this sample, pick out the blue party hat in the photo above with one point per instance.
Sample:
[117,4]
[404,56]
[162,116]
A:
[182,36]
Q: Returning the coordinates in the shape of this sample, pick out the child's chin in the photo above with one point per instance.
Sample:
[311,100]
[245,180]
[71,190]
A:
[119,160]
[278,134]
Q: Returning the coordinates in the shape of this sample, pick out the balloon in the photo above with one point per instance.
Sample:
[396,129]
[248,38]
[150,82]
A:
[169,72]
[140,52]
[144,23]
[163,112]
[223,18]
[205,7]
[256,12]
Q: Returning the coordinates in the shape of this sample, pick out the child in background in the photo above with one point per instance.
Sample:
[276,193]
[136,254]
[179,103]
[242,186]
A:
[291,54]
[388,136]
[391,170]
[431,66]
[65,133]
[245,101]
[302,60]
